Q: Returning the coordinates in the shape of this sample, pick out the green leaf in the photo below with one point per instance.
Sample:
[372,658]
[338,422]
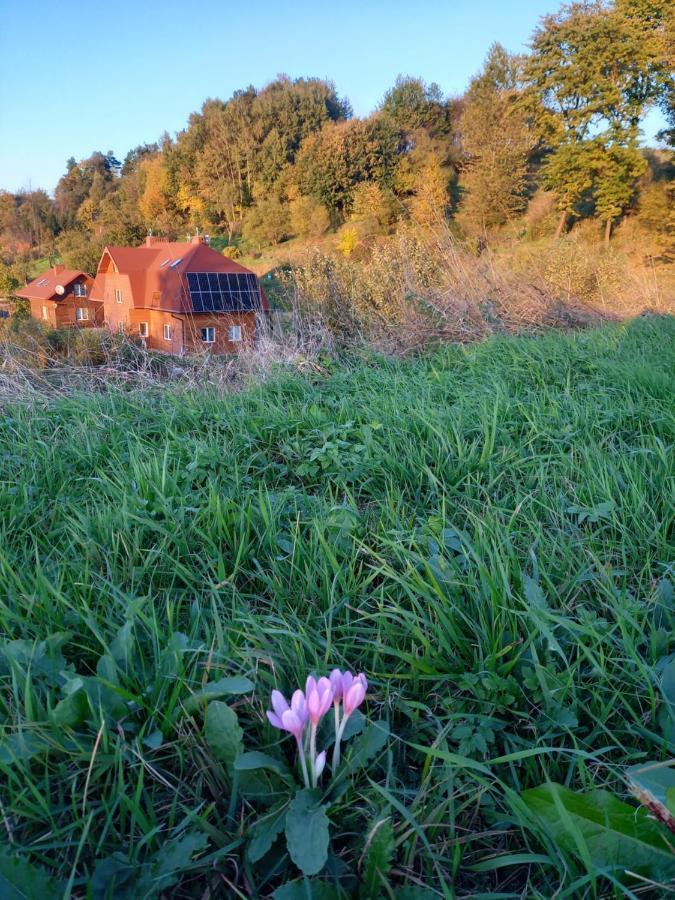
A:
[301,889]
[237,684]
[72,710]
[599,826]
[367,745]
[224,734]
[167,864]
[377,863]
[21,880]
[250,762]
[21,746]
[307,832]
[265,831]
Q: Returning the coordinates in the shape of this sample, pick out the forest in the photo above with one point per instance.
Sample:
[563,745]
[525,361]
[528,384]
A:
[537,144]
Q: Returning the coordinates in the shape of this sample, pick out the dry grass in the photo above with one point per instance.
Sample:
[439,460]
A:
[398,296]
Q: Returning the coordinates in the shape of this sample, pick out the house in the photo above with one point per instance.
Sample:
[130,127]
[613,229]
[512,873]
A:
[179,297]
[61,297]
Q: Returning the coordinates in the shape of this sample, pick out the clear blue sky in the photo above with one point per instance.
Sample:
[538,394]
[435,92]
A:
[77,77]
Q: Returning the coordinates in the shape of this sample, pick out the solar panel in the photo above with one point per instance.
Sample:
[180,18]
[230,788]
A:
[223,292]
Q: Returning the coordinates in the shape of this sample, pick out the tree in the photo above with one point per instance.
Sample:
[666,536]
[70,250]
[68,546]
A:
[155,201]
[496,140]
[616,169]
[590,77]
[412,104]
[373,208]
[429,204]
[332,162]
[308,216]
[268,222]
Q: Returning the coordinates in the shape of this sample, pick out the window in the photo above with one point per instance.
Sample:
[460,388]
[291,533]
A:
[82,314]
[118,295]
[45,312]
[80,290]
[168,330]
[162,264]
[234,333]
[42,282]
[175,262]
[143,329]
[209,335]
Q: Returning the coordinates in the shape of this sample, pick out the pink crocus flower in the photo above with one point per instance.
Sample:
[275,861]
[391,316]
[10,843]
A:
[291,718]
[319,764]
[335,679]
[319,698]
[352,690]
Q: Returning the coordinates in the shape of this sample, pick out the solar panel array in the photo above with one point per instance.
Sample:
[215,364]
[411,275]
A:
[221,292]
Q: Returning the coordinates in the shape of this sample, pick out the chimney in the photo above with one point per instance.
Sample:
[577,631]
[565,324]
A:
[199,239]
[59,267]
[152,240]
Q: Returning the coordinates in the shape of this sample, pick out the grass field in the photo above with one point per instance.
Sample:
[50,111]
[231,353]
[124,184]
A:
[486,532]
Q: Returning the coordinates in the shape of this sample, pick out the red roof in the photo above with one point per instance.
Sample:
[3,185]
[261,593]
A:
[44,286]
[156,271]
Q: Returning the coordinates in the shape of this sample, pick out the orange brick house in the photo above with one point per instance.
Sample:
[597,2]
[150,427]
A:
[179,297]
[61,297]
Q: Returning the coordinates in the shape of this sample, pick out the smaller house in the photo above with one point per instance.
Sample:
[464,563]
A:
[61,298]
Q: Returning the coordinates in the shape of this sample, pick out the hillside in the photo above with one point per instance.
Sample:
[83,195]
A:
[485,532]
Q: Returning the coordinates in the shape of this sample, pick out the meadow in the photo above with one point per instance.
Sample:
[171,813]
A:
[485,531]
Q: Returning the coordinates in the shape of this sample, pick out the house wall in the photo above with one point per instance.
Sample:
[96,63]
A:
[118,316]
[157,319]
[186,330]
[36,311]
[62,313]
[221,323]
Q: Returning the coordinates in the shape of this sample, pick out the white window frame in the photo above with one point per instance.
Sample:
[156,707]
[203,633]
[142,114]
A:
[144,329]
[207,339]
[234,334]
[82,314]
[167,331]
[118,295]
[45,312]
[80,289]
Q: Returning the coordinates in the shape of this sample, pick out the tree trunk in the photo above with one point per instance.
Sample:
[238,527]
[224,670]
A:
[608,231]
[562,221]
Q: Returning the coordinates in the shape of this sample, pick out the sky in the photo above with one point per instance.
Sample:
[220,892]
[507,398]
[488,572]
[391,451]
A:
[80,76]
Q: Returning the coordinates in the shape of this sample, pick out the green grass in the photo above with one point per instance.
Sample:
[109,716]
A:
[486,532]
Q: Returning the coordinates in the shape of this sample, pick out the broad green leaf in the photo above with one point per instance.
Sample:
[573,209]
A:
[21,880]
[265,831]
[613,834]
[224,733]
[122,645]
[21,746]
[302,889]
[237,684]
[367,745]
[377,862]
[307,833]
[72,710]
[167,864]
[250,762]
